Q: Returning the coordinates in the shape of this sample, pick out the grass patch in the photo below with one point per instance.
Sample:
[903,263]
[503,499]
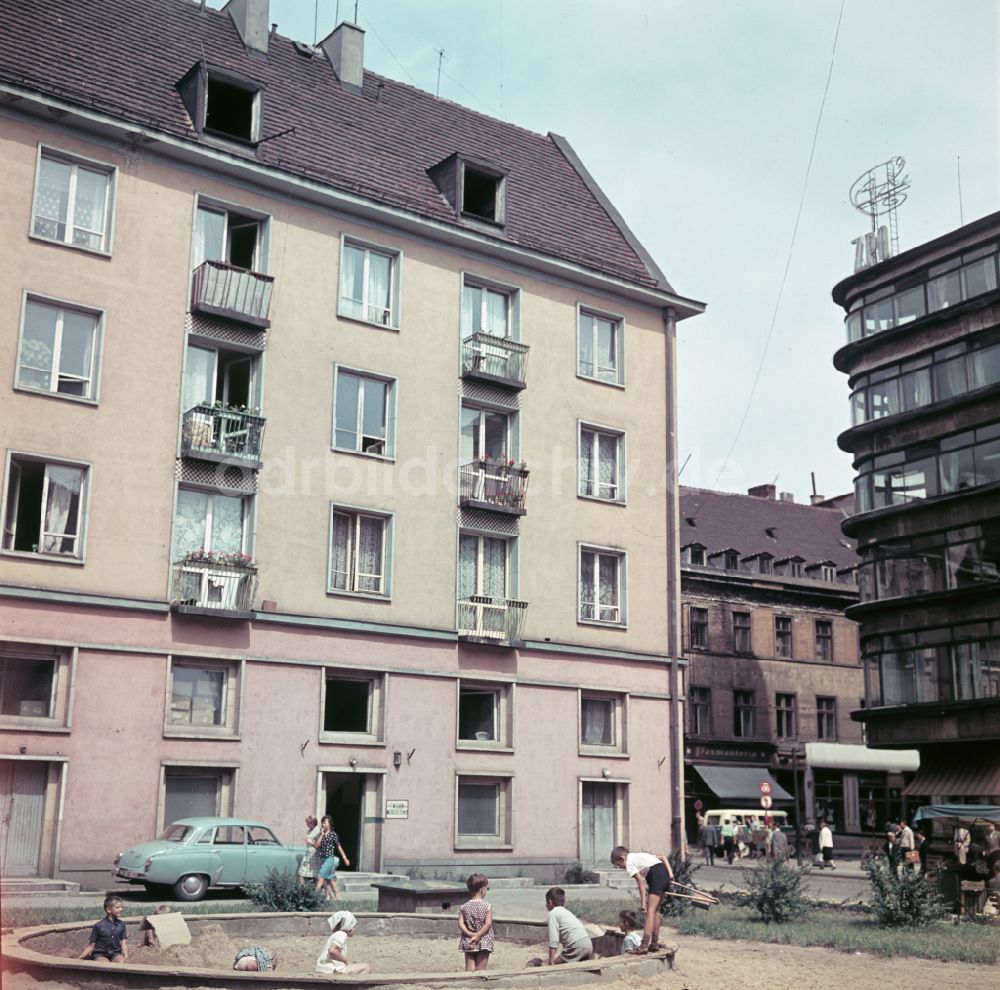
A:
[18,916]
[852,932]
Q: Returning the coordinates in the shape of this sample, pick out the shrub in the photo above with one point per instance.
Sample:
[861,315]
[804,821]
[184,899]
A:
[280,890]
[576,873]
[904,899]
[684,870]
[776,891]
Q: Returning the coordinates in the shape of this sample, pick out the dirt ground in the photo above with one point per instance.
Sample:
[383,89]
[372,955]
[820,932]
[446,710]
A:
[702,964]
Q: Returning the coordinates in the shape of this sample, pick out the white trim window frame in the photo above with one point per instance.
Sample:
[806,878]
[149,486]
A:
[480,834]
[496,734]
[190,719]
[62,353]
[593,448]
[483,315]
[373,731]
[215,241]
[601,585]
[363,421]
[600,346]
[359,553]
[603,729]
[62,507]
[369,283]
[67,187]
[213,535]
[40,707]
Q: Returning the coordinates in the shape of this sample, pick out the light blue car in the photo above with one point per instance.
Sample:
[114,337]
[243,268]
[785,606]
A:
[194,854]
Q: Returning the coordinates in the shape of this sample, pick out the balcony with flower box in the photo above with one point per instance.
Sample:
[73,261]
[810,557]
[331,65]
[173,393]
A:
[489,358]
[491,620]
[496,484]
[213,432]
[232,293]
[221,585]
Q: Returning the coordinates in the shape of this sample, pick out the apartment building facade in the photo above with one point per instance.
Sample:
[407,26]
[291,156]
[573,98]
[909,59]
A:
[774,668]
[292,523]
[923,364]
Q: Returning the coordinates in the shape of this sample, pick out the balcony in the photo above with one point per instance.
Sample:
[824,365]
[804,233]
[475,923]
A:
[212,433]
[493,484]
[494,359]
[221,289]
[493,621]
[220,585]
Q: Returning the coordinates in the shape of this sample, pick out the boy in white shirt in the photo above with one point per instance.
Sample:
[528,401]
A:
[653,877]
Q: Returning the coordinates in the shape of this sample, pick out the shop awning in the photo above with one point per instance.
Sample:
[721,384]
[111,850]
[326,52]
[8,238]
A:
[965,812]
[958,776]
[740,783]
[845,756]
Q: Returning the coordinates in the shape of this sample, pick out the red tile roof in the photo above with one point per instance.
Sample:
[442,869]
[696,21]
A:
[124,57]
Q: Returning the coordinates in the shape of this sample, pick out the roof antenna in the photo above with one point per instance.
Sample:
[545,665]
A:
[441,55]
[316,23]
[961,215]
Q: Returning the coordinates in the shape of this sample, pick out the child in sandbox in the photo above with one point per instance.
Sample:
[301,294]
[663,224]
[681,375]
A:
[109,938]
[628,923]
[332,960]
[475,921]
[653,877]
[255,959]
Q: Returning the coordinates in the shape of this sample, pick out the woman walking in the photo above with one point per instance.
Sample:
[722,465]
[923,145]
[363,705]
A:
[328,846]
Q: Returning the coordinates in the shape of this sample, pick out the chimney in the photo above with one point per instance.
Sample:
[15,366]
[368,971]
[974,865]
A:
[815,499]
[251,20]
[762,491]
[787,497]
[345,48]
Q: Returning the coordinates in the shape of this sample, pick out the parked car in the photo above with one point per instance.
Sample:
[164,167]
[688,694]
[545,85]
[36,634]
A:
[745,816]
[194,854]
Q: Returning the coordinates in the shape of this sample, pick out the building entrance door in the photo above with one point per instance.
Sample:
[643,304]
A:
[22,808]
[598,832]
[353,801]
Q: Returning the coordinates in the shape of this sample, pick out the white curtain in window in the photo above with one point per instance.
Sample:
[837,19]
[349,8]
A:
[62,508]
[916,389]
[370,554]
[89,208]
[53,199]
[586,357]
[608,587]
[494,567]
[984,366]
[190,522]
[199,377]
[588,591]
[597,724]
[227,524]
[340,551]
[587,463]
[468,556]
[352,287]
[379,287]
[497,307]
[472,309]
[607,354]
[38,345]
[76,353]
[607,466]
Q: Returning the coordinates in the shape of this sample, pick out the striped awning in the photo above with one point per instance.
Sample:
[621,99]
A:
[965,775]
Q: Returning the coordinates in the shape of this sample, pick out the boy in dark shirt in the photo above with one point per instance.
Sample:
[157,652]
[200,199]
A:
[108,938]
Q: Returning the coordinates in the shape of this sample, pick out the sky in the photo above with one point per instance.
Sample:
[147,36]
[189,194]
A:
[728,135]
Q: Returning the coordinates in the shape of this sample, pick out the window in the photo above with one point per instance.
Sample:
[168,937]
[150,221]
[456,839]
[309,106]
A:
[203,697]
[484,714]
[599,348]
[215,375]
[784,711]
[237,238]
[483,811]
[783,636]
[824,640]
[45,507]
[59,350]
[207,521]
[699,628]
[200,792]
[696,555]
[369,284]
[34,686]
[486,434]
[602,722]
[602,586]
[364,413]
[826,718]
[743,714]
[73,201]
[700,711]
[359,552]
[731,560]
[483,193]
[741,632]
[601,464]
[486,582]
[488,309]
[353,707]
[232,110]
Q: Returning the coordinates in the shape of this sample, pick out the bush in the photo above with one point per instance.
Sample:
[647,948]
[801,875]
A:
[281,891]
[776,891]
[577,873]
[904,899]
[684,870]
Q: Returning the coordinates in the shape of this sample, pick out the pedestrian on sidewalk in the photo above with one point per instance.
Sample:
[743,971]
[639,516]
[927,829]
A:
[826,844]
[708,839]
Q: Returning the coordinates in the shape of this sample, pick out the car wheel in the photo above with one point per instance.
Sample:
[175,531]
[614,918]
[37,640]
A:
[191,887]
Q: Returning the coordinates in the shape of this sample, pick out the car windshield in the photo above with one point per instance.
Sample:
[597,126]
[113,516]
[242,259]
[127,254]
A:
[177,833]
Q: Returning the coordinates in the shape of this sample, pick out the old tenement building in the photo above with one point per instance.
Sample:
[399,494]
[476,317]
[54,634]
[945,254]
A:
[322,406]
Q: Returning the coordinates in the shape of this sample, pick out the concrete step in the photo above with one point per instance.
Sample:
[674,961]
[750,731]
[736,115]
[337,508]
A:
[358,883]
[12,886]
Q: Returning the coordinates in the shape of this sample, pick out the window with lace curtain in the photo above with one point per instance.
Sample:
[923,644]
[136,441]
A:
[369,284]
[44,508]
[602,586]
[602,722]
[359,552]
[601,468]
[600,349]
[74,201]
[59,349]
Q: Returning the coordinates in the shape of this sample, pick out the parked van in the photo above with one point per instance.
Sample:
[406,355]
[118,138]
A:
[744,817]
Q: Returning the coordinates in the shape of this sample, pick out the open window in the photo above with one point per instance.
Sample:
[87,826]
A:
[230,235]
[474,189]
[353,707]
[364,413]
[222,104]
[59,350]
[484,715]
[44,508]
[34,686]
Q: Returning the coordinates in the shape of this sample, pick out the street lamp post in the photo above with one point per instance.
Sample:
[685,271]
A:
[798,817]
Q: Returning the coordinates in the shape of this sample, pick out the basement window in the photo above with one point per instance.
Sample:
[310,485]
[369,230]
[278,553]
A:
[231,111]
[482,194]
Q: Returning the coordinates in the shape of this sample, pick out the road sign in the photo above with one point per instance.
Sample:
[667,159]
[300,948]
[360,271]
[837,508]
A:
[768,821]
[698,805]
[765,787]
[765,801]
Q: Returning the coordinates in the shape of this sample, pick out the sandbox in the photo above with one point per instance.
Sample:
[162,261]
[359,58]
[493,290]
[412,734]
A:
[404,950]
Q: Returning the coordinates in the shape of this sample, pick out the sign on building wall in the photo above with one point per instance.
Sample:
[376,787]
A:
[397,809]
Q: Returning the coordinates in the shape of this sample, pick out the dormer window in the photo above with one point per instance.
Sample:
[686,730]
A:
[474,189]
[222,104]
